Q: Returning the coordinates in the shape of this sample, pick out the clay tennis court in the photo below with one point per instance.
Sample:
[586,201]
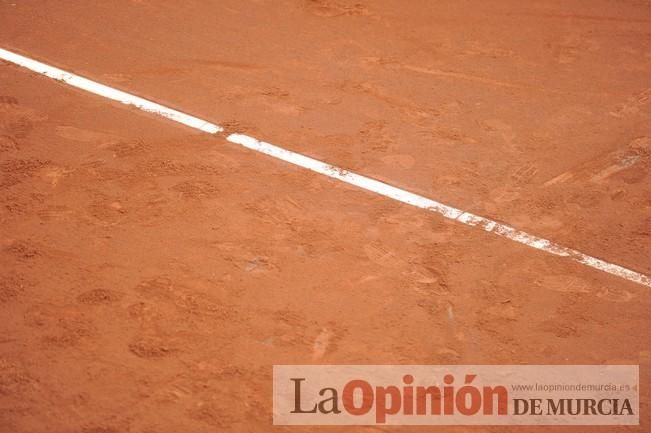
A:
[152,274]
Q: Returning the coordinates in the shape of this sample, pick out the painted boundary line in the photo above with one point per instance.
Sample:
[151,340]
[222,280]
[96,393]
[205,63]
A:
[109,92]
[331,171]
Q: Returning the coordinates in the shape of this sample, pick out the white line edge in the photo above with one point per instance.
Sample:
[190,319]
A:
[109,92]
[449,212]
[326,169]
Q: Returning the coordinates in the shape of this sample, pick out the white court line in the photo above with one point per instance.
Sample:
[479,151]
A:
[334,172]
[434,206]
[109,92]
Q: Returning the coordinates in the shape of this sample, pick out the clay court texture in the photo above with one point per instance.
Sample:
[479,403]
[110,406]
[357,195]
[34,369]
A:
[152,273]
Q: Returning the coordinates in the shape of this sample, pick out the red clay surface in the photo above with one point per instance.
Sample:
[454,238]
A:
[150,276]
